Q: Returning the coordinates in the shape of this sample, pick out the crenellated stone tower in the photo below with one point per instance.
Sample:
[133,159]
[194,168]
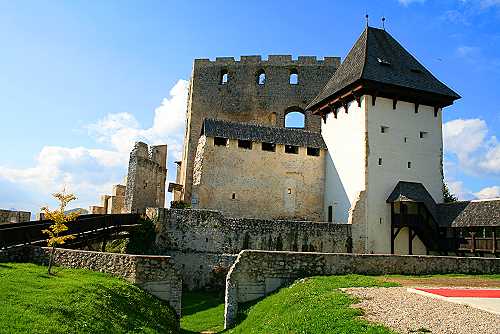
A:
[250,90]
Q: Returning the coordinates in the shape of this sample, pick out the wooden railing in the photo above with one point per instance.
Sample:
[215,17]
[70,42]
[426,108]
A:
[475,244]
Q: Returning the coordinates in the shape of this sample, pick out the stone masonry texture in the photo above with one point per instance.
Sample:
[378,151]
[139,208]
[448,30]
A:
[242,99]
[255,274]
[155,274]
[8,216]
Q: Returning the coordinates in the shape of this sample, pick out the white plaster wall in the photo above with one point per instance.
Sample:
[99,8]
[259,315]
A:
[401,244]
[345,160]
[424,155]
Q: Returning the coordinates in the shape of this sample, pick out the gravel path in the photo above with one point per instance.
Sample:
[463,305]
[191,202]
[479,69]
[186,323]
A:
[407,312]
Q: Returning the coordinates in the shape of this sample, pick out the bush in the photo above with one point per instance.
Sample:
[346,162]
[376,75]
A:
[142,239]
[179,205]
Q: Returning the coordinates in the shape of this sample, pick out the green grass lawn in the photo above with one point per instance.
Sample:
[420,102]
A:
[76,301]
[312,305]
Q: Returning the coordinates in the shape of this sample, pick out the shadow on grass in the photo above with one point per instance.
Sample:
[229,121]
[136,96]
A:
[198,301]
[3,266]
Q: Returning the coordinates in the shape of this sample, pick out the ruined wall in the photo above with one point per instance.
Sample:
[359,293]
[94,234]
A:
[243,99]
[212,232]
[8,216]
[261,184]
[255,274]
[146,178]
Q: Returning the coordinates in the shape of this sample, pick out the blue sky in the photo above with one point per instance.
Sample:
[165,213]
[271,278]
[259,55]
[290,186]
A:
[81,80]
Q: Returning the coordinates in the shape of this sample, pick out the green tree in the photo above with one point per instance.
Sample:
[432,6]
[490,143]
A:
[447,195]
[59,219]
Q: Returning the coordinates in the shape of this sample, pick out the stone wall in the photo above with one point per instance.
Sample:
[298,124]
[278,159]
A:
[258,184]
[257,273]
[155,274]
[8,216]
[146,178]
[243,99]
[204,231]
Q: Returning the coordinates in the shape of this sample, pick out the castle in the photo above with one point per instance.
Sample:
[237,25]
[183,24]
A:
[363,173]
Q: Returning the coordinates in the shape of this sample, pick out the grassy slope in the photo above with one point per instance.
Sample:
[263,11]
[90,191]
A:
[313,305]
[76,301]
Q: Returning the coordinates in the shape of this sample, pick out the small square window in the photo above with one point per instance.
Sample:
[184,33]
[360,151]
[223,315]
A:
[384,129]
[424,134]
[246,144]
[219,141]
[291,149]
[289,191]
[269,147]
[313,151]
[409,164]
[380,161]
[233,196]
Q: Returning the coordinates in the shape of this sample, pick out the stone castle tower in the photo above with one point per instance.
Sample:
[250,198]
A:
[146,178]
[382,114]
[250,90]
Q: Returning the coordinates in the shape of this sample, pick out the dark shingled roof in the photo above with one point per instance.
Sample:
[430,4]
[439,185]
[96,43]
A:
[470,213]
[413,192]
[378,57]
[259,133]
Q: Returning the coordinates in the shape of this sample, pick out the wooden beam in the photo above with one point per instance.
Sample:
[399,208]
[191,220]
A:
[394,103]
[416,108]
[374,98]
[436,109]
[410,241]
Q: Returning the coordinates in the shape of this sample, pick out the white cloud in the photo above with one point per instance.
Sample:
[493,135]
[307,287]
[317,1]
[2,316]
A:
[468,140]
[488,192]
[121,130]
[489,3]
[409,2]
[458,189]
[89,172]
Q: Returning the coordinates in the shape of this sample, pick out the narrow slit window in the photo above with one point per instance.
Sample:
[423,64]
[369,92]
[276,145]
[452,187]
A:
[409,164]
[233,196]
[294,77]
[224,77]
[406,139]
[246,144]
[330,213]
[261,77]
[380,161]
[313,151]
[219,141]
[270,147]
[291,149]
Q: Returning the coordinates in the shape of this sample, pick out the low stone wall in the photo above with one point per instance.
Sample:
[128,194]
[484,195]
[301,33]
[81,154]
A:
[208,231]
[155,274]
[257,273]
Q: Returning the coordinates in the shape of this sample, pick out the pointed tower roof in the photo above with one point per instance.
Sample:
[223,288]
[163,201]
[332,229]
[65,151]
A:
[383,67]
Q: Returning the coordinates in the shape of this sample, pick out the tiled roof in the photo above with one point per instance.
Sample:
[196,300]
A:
[378,57]
[470,213]
[413,192]
[259,133]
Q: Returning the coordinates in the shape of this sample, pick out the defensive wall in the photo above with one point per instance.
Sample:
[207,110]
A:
[155,274]
[255,274]
[233,90]
[205,243]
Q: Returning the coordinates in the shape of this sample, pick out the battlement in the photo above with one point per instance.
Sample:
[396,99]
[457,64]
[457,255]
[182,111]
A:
[157,154]
[285,60]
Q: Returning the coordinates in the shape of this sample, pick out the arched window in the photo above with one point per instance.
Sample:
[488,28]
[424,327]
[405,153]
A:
[224,77]
[294,77]
[295,119]
[261,77]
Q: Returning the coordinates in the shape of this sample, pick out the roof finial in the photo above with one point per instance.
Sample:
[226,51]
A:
[366,17]
[383,22]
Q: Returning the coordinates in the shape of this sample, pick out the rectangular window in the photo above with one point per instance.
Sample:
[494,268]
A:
[384,129]
[246,144]
[269,147]
[409,164]
[330,213]
[424,134]
[406,139]
[313,151]
[233,196]
[291,149]
[380,161]
[219,141]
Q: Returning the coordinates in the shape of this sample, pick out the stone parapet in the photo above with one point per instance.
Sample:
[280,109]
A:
[255,274]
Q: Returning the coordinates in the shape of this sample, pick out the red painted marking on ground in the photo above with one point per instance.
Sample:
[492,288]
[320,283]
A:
[477,293]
